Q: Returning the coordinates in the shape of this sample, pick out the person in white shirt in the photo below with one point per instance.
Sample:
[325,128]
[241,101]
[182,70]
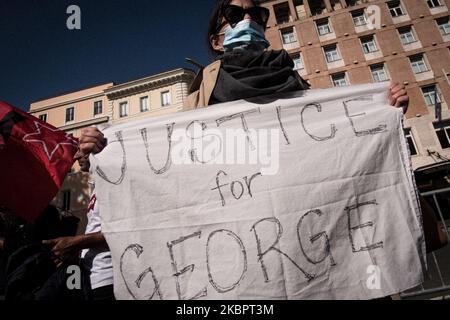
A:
[95,254]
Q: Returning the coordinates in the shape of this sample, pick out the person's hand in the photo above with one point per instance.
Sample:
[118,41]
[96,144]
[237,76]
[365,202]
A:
[398,97]
[65,249]
[92,141]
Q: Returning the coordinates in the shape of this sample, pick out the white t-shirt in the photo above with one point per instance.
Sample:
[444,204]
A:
[98,261]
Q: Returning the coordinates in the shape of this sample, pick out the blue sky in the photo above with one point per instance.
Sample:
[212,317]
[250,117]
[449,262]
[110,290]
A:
[118,41]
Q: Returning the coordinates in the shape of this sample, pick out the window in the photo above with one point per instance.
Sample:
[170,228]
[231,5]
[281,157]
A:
[66,200]
[70,114]
[443,134]
[123,109]
[282,13]
[144,104]
[336,4]
[359,18]
[395,8]
[43,117]
[352,3]
[411,142]
[165,98]
[339,80]
[418,64]
[444,26]
[98,108]
[323,27]
[379,73]
[332,54]
[434,3]
[317,7]
[298,63]
[288,35]
[406,35]
[430,95]
[369,45]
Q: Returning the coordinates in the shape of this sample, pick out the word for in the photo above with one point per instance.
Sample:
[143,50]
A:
[237,188]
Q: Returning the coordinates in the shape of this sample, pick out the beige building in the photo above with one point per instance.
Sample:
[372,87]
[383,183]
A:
[74,111]
[332,44]
[108,104]
[149,97]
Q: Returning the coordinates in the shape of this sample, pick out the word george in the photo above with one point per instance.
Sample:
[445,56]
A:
[304,239]
[236,187]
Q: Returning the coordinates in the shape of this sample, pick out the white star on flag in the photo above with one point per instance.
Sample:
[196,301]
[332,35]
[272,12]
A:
[34,138]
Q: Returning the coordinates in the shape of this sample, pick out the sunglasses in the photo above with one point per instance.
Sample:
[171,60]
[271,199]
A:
[234,14]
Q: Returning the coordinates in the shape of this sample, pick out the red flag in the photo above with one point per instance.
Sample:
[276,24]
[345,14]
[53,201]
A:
[34,160]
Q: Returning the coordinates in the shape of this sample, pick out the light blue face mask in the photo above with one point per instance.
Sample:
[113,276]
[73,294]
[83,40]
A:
[246,32]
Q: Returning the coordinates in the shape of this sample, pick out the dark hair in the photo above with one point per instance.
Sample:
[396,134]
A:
[47,225]
[215,22]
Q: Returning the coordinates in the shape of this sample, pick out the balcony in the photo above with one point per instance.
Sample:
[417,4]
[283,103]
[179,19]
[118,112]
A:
[412,45]
[438,6]
[426,75]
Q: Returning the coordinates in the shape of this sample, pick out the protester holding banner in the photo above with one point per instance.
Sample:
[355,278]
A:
[242,69]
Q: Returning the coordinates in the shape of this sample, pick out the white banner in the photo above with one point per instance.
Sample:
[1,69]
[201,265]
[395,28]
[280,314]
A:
[307,196]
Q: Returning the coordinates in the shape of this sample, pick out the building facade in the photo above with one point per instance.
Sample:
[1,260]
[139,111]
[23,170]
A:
[346,42]
[108,104]
[149,97]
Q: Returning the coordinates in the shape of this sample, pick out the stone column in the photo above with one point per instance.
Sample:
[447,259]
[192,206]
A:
[111,110]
